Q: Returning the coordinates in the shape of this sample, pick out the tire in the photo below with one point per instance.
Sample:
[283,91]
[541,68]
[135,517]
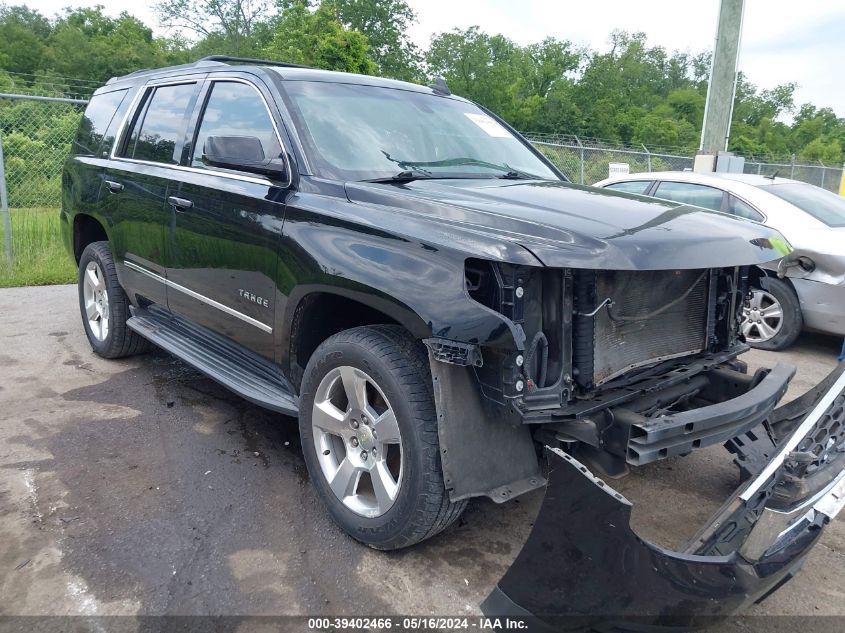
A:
[394,371]
[103,299]
[767,333]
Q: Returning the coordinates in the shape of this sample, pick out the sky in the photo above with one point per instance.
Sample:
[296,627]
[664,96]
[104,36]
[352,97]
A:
[783,40]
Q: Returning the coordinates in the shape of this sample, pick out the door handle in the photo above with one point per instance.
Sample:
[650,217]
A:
[114,187]
[180,203]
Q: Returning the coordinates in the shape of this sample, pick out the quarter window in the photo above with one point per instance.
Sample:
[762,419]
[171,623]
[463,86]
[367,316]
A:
[98,115]
[743,210]
[632,186]
[690,193]
[159,128]
[235,109]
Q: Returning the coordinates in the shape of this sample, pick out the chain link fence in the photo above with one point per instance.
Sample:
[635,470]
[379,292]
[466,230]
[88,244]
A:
[586,161]
[36,133]
[820,175]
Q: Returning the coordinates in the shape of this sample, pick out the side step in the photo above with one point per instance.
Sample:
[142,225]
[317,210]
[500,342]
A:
[247,374]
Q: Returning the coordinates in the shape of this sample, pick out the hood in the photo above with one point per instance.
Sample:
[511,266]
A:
[567,225]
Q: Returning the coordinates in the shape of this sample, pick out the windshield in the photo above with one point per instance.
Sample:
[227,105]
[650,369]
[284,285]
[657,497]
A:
[355,132]
[819,203]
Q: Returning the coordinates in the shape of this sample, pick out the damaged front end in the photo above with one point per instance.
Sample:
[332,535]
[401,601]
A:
[584,566]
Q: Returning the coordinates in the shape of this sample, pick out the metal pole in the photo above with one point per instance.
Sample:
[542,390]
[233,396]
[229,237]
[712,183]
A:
[4,206]
[6,95]
[648,155]
[577,140]
[792,167]
[824,169]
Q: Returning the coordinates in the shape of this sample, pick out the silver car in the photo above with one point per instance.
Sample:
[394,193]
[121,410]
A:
[812,293]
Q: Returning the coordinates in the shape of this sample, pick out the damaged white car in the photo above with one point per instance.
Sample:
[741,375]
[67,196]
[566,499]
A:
[812,293]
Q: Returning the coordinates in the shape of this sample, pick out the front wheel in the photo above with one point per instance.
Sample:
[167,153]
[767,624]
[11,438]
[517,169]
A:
[369,436]
[105,306]
[771,317]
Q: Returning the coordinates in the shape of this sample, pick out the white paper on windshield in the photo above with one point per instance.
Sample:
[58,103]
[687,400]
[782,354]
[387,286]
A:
[487,124]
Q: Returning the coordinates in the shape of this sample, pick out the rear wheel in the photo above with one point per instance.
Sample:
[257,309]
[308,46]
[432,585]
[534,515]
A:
[105,306]
[771,318]
[369,435]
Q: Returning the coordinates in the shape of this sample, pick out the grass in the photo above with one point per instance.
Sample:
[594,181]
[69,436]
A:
[39,256]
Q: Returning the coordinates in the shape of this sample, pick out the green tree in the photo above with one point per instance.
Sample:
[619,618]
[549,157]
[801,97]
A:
[317,38]
[542,65]
[829,152]
[86,43]
[385,23]
[23,39]
[233,27]
[477,66]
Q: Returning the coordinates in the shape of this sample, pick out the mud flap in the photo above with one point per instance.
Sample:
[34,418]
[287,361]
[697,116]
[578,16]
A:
[483,451]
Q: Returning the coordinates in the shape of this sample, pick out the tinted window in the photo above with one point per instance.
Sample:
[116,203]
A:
[743,210]
[632,186]
[99,113]
[161,125]
[819,203]
[690,193]
[357,132]
[235,109]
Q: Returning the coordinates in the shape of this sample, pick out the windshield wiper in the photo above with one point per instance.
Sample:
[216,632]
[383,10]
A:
[517,175]
[409,175]
[465,161]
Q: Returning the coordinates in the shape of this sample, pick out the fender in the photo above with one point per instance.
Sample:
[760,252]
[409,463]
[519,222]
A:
[325,246]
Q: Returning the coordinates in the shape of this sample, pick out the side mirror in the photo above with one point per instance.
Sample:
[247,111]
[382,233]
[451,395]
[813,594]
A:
[242,153]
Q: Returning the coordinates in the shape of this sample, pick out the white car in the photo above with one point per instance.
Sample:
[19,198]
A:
[812,294]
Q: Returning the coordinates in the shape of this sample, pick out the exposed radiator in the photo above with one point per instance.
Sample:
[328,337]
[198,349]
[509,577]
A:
[648,320]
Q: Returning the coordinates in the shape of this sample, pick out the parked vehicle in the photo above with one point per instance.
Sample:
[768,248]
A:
[812,293]
[449,318]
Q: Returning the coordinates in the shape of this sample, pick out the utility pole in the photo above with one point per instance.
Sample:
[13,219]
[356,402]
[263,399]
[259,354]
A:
[722,86]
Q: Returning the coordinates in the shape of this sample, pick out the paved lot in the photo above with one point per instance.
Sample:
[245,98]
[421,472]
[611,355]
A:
[140,487]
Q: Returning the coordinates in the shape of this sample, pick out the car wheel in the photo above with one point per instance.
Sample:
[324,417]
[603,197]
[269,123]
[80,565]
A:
[771,317]
[105,306]
[369,436]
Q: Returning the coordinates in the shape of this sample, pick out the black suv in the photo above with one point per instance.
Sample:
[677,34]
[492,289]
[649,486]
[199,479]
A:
[448,317]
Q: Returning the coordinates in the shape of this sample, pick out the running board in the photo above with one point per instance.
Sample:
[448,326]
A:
[248,375]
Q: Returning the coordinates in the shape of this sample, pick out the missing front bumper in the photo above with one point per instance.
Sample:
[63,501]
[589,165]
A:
[583,565]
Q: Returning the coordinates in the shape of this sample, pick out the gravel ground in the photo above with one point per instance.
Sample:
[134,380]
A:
[138,487]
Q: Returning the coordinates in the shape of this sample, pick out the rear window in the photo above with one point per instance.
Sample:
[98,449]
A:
[160,127]
[817,202]
[98,115]
[631,186]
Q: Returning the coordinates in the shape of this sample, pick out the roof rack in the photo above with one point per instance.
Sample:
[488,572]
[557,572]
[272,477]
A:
[249,60]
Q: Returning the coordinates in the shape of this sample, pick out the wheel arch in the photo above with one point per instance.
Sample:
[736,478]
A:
[86,230]
[314,313]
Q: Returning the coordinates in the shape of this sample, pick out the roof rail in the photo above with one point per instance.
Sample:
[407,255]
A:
[206,61]
[150,71]
[249,60]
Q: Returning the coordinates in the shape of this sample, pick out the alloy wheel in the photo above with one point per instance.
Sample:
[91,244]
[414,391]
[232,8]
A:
[762,317]
[96,298]
[358,442]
